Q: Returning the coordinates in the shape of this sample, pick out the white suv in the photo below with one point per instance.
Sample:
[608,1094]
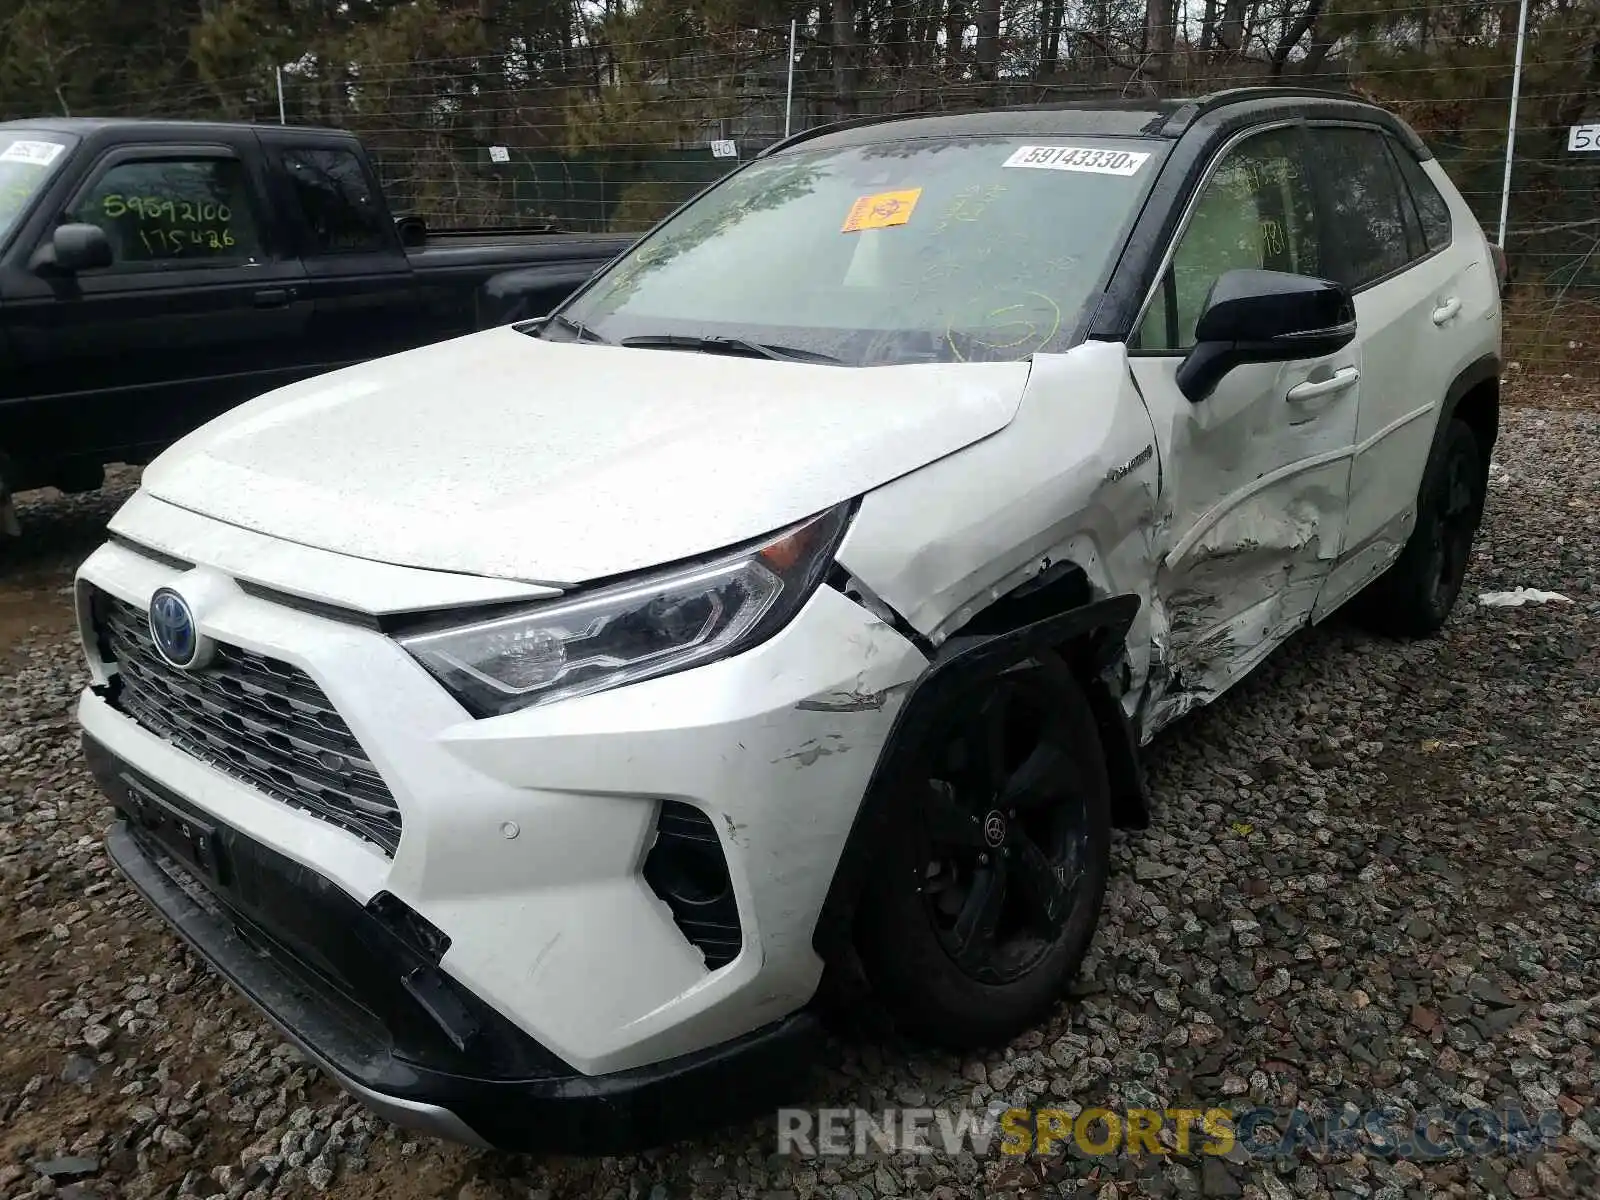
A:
[526,721]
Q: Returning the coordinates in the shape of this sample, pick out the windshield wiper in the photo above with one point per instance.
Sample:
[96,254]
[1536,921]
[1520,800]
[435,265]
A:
[577,328]
[725,345]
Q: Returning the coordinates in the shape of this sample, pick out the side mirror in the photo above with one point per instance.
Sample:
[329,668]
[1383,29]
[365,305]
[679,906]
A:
[1264,316]
[74,248]
[413,232]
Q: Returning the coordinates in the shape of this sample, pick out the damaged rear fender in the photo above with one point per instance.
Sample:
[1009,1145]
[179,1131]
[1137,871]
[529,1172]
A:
[1092,637]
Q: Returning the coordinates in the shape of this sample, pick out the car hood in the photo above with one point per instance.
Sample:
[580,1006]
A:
[502,455]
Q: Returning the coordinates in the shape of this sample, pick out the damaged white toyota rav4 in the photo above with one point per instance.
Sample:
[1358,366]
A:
[526,722]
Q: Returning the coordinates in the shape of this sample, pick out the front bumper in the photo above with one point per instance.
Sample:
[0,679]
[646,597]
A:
[526,837]
[266,925]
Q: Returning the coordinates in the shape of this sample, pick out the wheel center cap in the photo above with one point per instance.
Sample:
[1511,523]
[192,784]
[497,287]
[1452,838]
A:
[994,828]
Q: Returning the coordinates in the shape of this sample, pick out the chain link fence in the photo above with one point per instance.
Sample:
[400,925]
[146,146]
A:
[613,136]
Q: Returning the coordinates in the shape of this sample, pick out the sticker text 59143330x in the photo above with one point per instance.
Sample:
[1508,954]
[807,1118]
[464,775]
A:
[1079,158]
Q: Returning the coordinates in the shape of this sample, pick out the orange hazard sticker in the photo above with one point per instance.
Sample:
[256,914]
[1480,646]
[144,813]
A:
[881,210]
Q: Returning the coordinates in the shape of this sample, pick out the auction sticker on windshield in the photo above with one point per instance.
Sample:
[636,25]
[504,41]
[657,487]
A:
[881,210]
[1079,158]
[40,154]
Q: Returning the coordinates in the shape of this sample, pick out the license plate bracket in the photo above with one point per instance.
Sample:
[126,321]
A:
[181,834]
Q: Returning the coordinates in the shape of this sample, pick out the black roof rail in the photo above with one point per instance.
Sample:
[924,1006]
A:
[1191,112]
[1088,95]
[1211,101]
[1188,110]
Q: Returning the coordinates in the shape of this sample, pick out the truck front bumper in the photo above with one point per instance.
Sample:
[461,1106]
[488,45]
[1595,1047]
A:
[322,969]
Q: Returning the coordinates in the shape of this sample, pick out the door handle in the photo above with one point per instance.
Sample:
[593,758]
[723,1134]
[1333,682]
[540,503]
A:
[1341,379]
[273,297]
[1447,310]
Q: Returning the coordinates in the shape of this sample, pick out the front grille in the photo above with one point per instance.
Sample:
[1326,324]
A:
[261,720]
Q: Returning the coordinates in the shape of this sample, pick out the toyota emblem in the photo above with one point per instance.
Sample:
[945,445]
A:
[176,636]
[994,828]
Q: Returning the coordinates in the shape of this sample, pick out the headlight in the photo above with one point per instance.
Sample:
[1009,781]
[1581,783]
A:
[622,634]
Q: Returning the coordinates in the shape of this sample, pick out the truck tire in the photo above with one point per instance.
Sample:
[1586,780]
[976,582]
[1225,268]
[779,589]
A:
[992,880]
[1415,595]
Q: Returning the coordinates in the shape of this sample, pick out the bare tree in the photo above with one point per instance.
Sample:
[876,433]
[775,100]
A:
[988,39]
[1229,32]
[1293,32]
[844,56]
[1051,13]
[1160,18]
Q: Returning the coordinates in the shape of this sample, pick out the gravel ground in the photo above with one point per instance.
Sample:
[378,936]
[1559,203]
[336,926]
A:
[1372,879]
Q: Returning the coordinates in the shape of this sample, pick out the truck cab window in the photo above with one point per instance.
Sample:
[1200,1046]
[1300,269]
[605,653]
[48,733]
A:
[164,211]
[342,208]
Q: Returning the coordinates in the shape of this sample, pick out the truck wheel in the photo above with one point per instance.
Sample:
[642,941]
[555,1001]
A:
[994,874]
[1415,595]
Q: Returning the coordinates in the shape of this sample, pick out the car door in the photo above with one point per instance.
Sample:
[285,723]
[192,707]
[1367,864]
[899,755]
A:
[1408,281]
[366,296]
[1255,476]
[200,309]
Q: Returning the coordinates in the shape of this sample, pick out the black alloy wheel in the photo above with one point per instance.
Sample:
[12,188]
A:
[1004,833]
[1456,520]
[1413,598]
[994,866]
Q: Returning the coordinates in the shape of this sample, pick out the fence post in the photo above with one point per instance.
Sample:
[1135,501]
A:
[282,116]
[788,95]
[1511,124]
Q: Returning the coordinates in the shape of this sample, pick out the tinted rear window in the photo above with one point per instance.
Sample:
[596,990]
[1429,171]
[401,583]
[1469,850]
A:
[1431,206]
[1366,200]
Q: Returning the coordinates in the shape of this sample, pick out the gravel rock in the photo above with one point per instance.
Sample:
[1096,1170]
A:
[77,1069]
[67,1168]
[1371,880]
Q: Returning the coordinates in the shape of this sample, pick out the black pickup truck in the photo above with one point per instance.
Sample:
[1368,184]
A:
[154,274]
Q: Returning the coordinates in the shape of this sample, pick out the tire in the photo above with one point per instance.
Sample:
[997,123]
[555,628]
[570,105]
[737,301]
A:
[920,929]
[1413,598]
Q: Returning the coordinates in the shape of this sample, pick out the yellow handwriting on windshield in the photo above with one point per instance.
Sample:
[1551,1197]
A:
[1009,331]
[970,203]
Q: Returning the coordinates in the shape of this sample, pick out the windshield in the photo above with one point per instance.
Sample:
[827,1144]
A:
[27,160]
[947,250]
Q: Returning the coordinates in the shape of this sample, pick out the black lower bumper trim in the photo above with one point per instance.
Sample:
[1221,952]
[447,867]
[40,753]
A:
[562,1112]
